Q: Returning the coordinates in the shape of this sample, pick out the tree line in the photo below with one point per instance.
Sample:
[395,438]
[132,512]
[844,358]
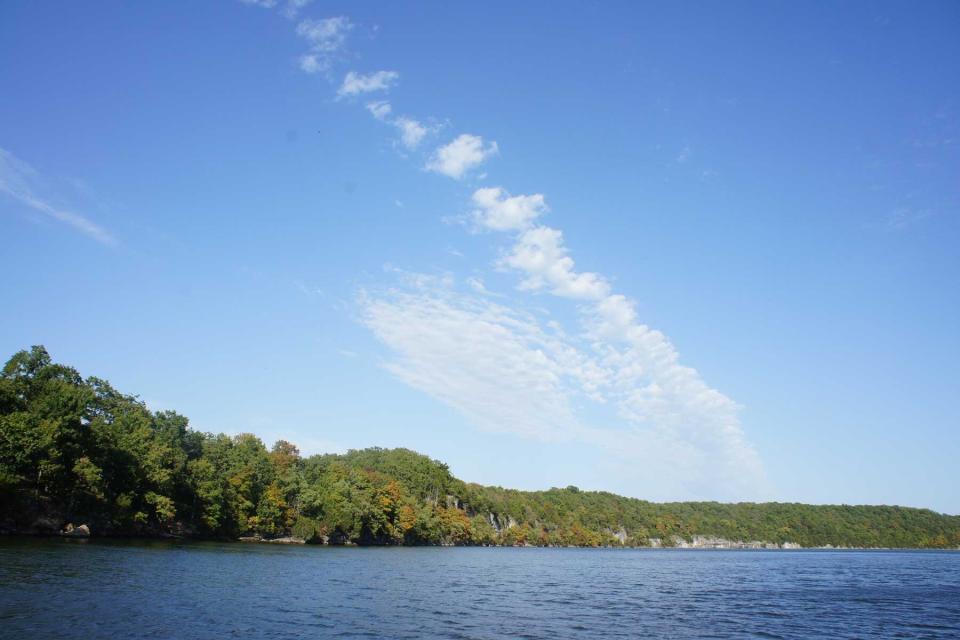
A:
[75,449]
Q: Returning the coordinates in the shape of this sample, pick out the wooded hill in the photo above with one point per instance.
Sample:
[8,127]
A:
[75,450]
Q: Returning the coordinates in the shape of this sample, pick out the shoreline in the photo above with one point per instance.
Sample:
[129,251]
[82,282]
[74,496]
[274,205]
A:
[292,541]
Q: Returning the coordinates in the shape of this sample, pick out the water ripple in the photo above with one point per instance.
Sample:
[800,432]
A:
[54,589]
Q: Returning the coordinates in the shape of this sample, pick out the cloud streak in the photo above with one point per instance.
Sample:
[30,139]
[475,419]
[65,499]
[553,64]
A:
[356,83]
[325,38]
[610,382]
[20,181]
[264,4]
[641,369]
[412,132]
[293,8]
[508,371]
[457,349]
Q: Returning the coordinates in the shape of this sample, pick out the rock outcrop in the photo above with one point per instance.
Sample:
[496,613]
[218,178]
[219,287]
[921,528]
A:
[712,542]
[501,523]
[70,531]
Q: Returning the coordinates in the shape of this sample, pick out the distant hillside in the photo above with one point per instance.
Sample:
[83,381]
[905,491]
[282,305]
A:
[77,451]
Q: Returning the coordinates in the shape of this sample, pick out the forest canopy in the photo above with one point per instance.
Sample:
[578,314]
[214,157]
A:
[75,449]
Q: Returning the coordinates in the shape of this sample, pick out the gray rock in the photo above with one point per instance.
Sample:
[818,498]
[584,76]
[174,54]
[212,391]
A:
[286,540]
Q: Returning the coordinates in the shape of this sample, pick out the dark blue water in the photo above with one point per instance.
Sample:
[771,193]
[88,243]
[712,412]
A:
[69,589]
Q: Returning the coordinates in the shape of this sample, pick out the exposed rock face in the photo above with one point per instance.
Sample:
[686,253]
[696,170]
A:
[499,524]
[70,531]
[283,540]
[710,542]
[287,540]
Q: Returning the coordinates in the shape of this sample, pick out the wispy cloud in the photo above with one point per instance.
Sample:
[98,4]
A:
[463,154]
[293,8]
[425,325]
[507,370]
[520,375]
[356,83]
[20,181]
[642,370]
[325,38]
[380,109]
[412,132]
[903,217]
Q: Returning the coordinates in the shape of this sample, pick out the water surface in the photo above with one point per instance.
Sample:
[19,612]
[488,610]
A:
[55,588]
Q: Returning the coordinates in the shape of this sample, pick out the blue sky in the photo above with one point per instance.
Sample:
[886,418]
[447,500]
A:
[677,252]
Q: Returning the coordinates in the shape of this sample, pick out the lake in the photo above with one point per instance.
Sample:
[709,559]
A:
[52,588]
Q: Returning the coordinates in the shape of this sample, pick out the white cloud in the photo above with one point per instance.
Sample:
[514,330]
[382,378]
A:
[356,83]
[645,379]
[506,370]
[464,153]
[326,35]
[412,132]
[653,389]
[266,4]
[499,211]
[673,436]
[540,253]
[324,38]
[20,181]
[379,109]
[499,378]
